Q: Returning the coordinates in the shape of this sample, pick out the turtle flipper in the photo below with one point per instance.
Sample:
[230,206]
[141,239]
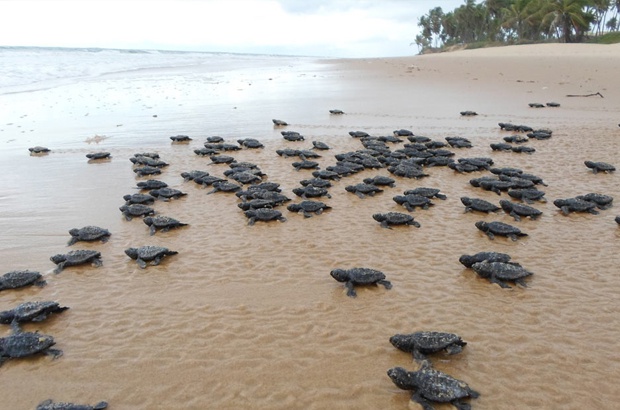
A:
[418,356]
[251,221]
[60,267]
[152,230]
[104,239]
[156,261]
[55,353]
[141,263]
[454,349]
[461,405]
[384,224]
[593,211]
[408,207]
[515,216]
[520,282]
[417,397]
[386,283]
[101,405]
[441,196]
[40,283]
[502,284]
[97,262]
[40,317]
[416,224]
[512,236]
[350,290]
[307,214]
[15,327]
[72,241]
[564,210]
[490,235]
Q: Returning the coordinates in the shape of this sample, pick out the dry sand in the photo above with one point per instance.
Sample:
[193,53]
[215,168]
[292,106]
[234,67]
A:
[248,316]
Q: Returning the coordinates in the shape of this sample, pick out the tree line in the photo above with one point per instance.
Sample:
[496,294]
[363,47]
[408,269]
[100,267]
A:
[517,21]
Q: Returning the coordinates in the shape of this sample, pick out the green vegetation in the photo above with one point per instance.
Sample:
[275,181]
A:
[504,22]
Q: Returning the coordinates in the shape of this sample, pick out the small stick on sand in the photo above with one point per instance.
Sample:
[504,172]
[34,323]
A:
[585,95]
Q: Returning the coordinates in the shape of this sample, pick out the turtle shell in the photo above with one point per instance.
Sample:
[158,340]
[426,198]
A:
[498,228]
[19,278]
[24,344]
[469,260]
[431,384]
[358,276]
[89,233]
[50,405]
[426,341]
[479,205]
[30,311]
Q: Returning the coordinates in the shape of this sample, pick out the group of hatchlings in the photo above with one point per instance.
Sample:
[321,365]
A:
[258,203]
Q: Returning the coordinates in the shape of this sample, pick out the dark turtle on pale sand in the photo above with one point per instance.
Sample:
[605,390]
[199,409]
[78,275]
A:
[250,143]
[136,210]
[336,112]
[420,344]
[426,192]
[516,139]
[536,105]
[215,139]
[569,205]
[307,208]
[20,278]
[359,276]
[499,228]
[24,344]
[395,218]
[151,184]
[98,155]
[180,138]
[31,312]
[256,204]
[320,145]
[316,182]
[88,234]
[410,202]
[431,385]
[527,195]
[501,272]
[469,260]
[193,175]
[518,210]
[163,223]
[279,123]
[74,258]
[153,254]
[361,190]
[222,159]
[381,180]
[50,405]
[167,193]
[553,104]
[310,191]
[468,113]
[147,170]
[601,201]
[38,150]
[263,214]
[225,186]
[600,167]
[145,199]
[479,205]
[305,164]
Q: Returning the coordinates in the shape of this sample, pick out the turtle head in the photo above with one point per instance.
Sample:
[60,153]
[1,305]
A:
[74,232]
[402,342]
[378,217]
[589,164]
[148,220]
[466,260]
[559,202]
[294,207]
[401,378]
[127,197]
[58,258]
[340,275]
[466,200]
[481,225]
[132,253]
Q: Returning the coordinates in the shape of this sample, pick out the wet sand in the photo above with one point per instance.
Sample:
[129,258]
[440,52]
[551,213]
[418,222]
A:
[248,316]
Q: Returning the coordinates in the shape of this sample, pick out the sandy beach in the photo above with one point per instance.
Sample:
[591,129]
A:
[248,316]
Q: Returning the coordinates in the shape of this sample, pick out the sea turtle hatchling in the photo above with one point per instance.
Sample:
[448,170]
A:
[501,272]
[426,192]
[130,211]
[88,234]
[468,113]
[491,229]
[528,195]
[163,223]
[310,191]
[410,202]
[381,180]
[336,112]
[263,214]
[307,208]
[77,257]
[321,146]
[153,254]
[147,170]
[519,210]
[38,150]
[167,193]
[601,201]
[139,198]
[419,344]
[224,186]
[569,205]
[98,155]
[431,385]
[600,167]
[51,405]
[20,278]
[151,184]
[469,260]
[361,190]
[395,218]
[359,276]
[24,344]
[31,312]
[279,123]
[251,143]
[180,138]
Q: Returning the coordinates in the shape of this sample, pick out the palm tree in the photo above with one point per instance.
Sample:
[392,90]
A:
[566,16]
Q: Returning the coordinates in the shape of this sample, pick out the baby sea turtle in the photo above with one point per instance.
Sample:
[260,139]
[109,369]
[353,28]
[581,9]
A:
[38,150]
[215,139]
[195,174]
[617,219]
[20,278]
[310,191]
[180,138]
[74,258]
[336,112]
[225,186]
[431,385]
[305,164]
[307,208]
[98,155]
[359,134]
[359,276]
[153,254]
[88,233]
[523,149]
[569,205]
[136,210]
[458,142]
[279,123]
[147,170]
[147,160]
[320,145]
[553,104]
[479,205]
[222,159]
[516,139]
[469,260]
[419,344]
[410,202]
[167,193]
[518,210]
[501,272]
[288,152]
[256,204]
[24,344]
[601,201]
[381,180]
[145,199]
[163,223]
[151,184]
[292,136]
[361,190]
[403,133]
[252,143]
[407,171]
[325,174]
[536,105]
[395,218]
[426,192]
[499,228]
[527,195]
[263,214]
[31,312]
[468,113]
[500,147]
[496,186]
[600,166]
[51,405]
[316,182]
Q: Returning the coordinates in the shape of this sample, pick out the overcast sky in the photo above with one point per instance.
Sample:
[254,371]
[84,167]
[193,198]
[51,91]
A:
[340,28]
